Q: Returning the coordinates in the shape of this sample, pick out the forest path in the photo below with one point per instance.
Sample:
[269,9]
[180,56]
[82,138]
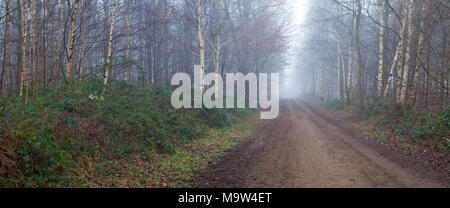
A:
[302,149]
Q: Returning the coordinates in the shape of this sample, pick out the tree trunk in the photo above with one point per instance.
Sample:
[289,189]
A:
[218,45]
[405,82]
[321,85]
[40,46]
[314,83]
[350,66]
[343,76]
[401,63]
[398,57]
[49,45]
[33,42]
[340,72]
[201,43]
[23,14]
[80,54]
[381,71]
[358,56]
[418,73]
[110,42]
[444,92]
[71,43]
[128,22]
[58,50]
[3,87]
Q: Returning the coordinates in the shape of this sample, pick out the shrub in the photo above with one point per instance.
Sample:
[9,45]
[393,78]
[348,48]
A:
[427,126]
[380,107]
[68,125]
[214,117]
[334,105]
[41,158]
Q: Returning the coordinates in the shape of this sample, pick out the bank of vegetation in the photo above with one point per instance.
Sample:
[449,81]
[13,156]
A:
[88,134]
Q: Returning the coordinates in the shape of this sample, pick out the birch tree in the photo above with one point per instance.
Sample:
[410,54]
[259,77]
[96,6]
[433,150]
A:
[110,42]
[5,49]
[322,80]
[340,71]
[71,43]
[23,7]
[350,82]
[49,41]
[58,50]
[381,71]
[409,45]
[358,55]
[33,41]
[401,61]
[418,73]
[80,55]
[201,43]
[397,64]
[128,53]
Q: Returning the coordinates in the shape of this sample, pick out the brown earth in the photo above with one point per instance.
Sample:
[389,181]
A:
[304,149]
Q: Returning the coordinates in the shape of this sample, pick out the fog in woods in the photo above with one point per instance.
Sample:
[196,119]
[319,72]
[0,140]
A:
[88,87]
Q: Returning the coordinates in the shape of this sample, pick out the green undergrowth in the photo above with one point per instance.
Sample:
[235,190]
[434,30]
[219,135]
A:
[85,134]
[179,169]
[420,125]
[387,120]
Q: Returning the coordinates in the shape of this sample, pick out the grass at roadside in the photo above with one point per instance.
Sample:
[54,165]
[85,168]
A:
[179,169]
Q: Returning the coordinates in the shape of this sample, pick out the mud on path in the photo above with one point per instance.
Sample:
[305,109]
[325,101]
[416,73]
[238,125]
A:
[303,149]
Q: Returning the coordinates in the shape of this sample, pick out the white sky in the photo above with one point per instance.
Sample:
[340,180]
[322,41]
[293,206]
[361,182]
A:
[290,87]
[300,7]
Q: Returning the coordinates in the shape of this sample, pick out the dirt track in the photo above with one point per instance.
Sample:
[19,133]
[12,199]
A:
[302,149]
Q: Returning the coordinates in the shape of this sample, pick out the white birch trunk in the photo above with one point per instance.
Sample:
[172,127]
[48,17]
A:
[419,63]
[406,72]
[58,50]
[381,72]
[110,41]
[201,43]
[24,13]
[71,43]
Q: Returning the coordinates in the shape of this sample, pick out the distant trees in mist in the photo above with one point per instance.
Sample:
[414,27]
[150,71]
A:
[359,51]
